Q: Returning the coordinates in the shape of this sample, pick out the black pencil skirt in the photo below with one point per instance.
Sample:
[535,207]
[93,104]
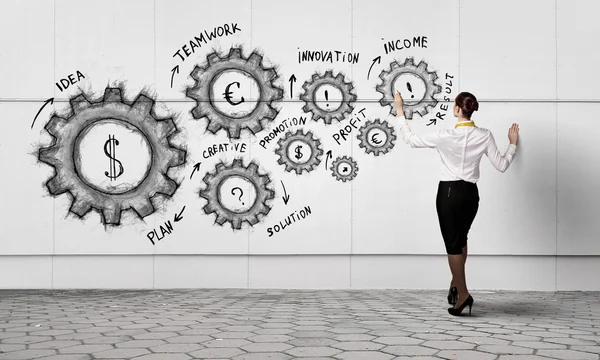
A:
[457,203]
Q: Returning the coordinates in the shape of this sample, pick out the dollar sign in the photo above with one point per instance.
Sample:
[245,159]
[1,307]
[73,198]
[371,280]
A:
[298,152]
[110,151]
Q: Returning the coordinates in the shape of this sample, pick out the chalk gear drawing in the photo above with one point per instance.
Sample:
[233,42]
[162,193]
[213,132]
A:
[213,182]
[309,97]
[348,166]
[61,155]
[309,141]
[202,92]
[389,78]
[369,144]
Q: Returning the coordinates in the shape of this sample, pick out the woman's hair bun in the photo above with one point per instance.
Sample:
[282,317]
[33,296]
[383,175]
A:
[467,102]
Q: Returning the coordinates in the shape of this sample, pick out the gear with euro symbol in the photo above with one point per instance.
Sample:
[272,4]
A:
[203,92]
[387,87]
[370,142]
[63,154]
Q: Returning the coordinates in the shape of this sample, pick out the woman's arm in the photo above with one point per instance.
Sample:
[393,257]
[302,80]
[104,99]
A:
[429,140]
[500,162]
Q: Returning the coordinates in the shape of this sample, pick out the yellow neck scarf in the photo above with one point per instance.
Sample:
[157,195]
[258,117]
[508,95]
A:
[466,123]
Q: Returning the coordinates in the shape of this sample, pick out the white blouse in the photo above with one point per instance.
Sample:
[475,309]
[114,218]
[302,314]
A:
[460,149]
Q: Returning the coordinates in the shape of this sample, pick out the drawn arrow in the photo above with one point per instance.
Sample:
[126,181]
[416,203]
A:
[178,217]
[433,121]
[51,101]
[173,70]
[329,156]
[285,197]
[378,59]
[292,81]
[196,168]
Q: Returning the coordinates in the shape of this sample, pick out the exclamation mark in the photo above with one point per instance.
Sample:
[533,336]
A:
[327,97]
[410,89]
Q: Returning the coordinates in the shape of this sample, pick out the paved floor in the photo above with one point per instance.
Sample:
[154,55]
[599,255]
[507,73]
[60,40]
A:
[276,324]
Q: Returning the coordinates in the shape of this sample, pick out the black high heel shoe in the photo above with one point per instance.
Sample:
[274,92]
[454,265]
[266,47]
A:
[452,295]
[457,311]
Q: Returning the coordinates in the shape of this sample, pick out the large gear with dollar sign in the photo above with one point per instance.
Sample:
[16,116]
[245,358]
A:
[306,149]
[324,112]
[424,79]
[207,106]
[111,187]
[222,197]
[368,137]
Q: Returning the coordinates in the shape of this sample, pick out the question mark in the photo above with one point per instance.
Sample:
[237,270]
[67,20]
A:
[241,193]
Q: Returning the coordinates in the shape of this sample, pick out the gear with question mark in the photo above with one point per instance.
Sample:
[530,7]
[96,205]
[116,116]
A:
[214,181]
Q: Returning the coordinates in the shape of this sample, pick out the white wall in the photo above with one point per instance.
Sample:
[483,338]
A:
[527,62]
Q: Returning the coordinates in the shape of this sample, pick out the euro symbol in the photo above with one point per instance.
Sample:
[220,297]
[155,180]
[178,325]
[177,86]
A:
[375,141]
[228,93]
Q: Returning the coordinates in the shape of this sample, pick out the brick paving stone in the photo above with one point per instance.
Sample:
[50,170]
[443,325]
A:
[568,354]
[67,357]
[362,355]
[538,345]
[11,347]
[284,324]
[523,357]
[216,353]
[26,354]
[358,345]
[163,357]
[176,348]
[266,347]
[120,353]
[109,340]
[84,349]
[55,344]
[412,350]
[263,356]
[313,351]
[465,355]
[398,340]
[269,338]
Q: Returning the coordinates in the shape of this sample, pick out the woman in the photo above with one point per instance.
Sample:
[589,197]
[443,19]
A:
[460,150]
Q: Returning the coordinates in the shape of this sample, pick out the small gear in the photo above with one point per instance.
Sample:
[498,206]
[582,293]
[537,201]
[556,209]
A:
[389,78]
[309,97]
[315,151]
[66,134]
[249,173]
[349,174]
[202,92]
[377,149]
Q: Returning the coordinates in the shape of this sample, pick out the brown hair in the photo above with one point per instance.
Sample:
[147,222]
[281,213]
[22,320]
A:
[467,102]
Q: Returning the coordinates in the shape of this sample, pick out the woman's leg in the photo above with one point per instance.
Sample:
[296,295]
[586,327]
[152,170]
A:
[457,266]
[468,210]
[464,257]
